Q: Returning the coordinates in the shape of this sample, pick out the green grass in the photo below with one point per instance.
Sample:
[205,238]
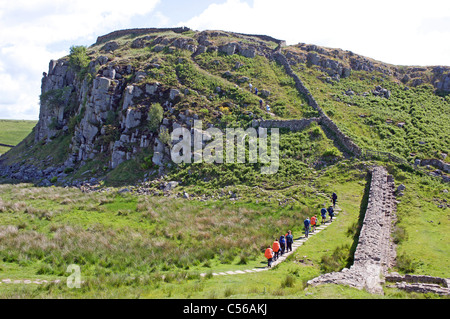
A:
[156,246]
[12,132]
[116,238]
[371,121]
[423,245]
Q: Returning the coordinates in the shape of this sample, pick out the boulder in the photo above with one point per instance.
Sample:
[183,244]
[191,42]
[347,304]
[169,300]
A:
[173,94]
[110,46]
[133,118]
[170,185]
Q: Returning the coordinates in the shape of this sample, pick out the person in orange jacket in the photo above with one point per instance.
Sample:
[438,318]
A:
[313,222]
[268,254]
[275,248]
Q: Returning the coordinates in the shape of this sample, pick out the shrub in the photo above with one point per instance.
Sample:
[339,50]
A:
[155,116]
[405,264]
[337,261]
[79,60]
[68,170]
[164,136]
[289,281]
[57,97]
[332,152]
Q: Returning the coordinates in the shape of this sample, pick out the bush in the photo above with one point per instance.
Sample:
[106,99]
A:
[79,60]
[68,170]
[406,264]
[155,116]
[289,281]
[337,261]
[57,97]
[332,152]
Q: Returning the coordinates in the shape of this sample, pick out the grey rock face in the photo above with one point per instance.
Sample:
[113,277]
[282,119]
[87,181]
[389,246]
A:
[133,118]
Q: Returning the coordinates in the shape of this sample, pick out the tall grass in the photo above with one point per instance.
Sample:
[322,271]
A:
[107,233]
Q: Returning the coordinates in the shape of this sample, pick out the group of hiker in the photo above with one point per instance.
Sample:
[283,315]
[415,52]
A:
[279,247]
[261,102]
[284,244]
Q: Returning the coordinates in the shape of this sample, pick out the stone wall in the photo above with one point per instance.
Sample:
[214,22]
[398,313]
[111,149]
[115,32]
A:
[375,251]
[420,283]
[137,31]
[436,163]
[329,126]
[292,125]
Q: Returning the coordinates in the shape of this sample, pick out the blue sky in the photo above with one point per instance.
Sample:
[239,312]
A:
[34,31]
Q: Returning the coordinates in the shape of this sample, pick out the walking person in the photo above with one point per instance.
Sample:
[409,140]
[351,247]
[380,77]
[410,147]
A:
[269,255]
[250,86]
[313,223]
[282,245]
[334,199]
[323,212]
[307,223]
[260,103]
[276,249]
[289,241]
[331,213]
[256,91]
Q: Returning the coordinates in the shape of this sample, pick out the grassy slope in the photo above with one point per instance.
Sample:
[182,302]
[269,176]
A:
[12,132]
[114,237]
[181,239]
[365,118]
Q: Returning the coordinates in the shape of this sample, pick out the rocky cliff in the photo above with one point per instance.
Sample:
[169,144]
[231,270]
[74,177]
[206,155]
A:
[103,113]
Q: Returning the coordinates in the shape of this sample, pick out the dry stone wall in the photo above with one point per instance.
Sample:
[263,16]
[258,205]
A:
[292,125]
[375,252]
[329,126]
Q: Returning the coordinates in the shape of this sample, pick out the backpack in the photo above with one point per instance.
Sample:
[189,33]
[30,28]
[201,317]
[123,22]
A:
[289,238]
[306,222]
[330,211]
[282,240]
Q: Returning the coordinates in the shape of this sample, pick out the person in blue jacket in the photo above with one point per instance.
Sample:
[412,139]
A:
[307,223]
[331,213]
[323,212]
[282,245]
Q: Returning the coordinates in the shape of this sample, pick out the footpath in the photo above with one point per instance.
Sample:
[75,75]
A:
[297,243]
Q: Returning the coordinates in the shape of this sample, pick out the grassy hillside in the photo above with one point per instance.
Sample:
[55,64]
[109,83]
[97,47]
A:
[157,246]
[12,132]
[132,238]
[411,123]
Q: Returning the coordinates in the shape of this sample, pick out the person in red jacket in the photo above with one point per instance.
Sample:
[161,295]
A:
[313,222]
[276,249]
[269,255]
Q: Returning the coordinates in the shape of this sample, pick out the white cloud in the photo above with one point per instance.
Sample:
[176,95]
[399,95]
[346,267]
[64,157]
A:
[386,30]
[34,31]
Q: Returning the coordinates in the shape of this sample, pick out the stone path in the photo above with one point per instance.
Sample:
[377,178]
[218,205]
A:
[297,243]
[28,281]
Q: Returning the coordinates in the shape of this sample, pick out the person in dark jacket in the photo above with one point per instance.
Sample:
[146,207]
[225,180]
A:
[289,241]
[331,213]
[323,212]
[334,199]
[282,245]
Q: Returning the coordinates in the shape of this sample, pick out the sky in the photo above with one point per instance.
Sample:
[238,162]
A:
[32,32]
